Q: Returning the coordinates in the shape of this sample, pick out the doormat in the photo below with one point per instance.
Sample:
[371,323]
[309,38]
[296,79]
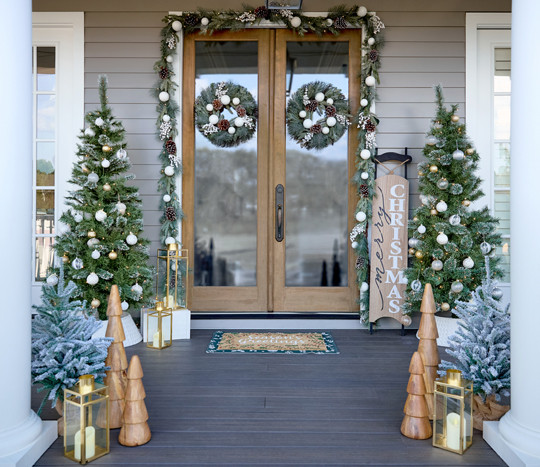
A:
[272,342]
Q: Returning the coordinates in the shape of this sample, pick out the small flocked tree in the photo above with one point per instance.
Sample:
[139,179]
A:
[447,237]
[62,344]
[99,239]
[481,345]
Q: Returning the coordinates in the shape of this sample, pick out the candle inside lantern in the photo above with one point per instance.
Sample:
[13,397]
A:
[170,301]
[90,443]
[453,423]
[155,340]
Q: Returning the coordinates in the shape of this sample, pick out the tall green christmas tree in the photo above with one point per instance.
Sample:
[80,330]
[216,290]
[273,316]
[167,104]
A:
[447,237]
[99,238]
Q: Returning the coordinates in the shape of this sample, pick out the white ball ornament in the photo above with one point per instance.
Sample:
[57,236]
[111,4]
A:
[225,100]
[370,81]
[93,177]
[329,101]
[485,248]
[105,163]
[364,175]
[319,97]
[454,219]
[354,245]
[121,153]
[431,140]
[77,218]
[325,130]
[176,25]
[209,107]
[89,132]
[163,96]
[137,289]
[371,41]
[331,121]
[437,265]
[169,58]
[231,130]
[416,285]
[167,118]
[235,101]
[365,154]
[442,239]
[364,287]
[131,239]
[99,121]
[296,22]
[52,280]
[362,11]
[63,228]
[307,123]
[92,242]
[441,206]
[421,229]
[238,121]
[213,119]
[329,22]
[77,263]
[166,198]
[121,208]
[92,278]
[169,240]
[413,242]
[456,287]
[96,254]
[302,114]
[361,216]
[468,263]
[205,21]
[364,102]
[458,155]
[101,215]
[169,171]
[497,293]
[125,305]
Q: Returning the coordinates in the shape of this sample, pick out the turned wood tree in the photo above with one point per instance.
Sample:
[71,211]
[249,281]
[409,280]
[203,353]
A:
[427,347]
[135,430]
[416,423]
[116,377]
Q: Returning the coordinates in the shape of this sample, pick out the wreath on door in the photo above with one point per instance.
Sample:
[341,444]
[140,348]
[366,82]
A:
[317,115]
[210,118]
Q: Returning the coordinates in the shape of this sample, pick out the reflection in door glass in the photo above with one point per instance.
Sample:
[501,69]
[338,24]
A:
[317,180]
[225,178]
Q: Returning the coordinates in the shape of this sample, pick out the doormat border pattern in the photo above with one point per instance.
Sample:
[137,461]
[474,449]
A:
[331,347]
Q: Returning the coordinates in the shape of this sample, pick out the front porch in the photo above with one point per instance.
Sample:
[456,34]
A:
[264,409]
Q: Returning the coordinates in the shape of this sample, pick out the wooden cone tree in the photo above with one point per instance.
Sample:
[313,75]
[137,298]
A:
[116,358]
[135,430]
[416,423]
[427,347]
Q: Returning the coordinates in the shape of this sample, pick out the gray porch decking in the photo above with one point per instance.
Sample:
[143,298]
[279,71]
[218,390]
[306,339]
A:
[264,409]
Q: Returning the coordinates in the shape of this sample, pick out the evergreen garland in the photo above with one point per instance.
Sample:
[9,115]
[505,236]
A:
[338,18]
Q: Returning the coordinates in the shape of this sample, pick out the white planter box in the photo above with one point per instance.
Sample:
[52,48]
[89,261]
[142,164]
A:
[446,327]
[133,336]
[181,323]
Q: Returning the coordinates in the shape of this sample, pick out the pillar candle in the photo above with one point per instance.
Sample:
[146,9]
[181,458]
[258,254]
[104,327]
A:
[453,423]
[155,340]
[90,444]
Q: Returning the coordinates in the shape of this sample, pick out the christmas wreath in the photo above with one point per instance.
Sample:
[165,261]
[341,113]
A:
[210,119]
[317,115]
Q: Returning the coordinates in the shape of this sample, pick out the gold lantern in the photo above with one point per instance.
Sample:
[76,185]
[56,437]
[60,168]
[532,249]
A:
[86,420]
[452,418]
[172,275]
[159,327]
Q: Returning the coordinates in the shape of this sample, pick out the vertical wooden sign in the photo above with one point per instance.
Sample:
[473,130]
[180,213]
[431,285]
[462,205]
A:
[389,249]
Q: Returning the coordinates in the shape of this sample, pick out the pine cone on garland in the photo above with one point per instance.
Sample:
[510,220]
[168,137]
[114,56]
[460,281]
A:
[315,129]
[223,125]
[340,23]
[170,213]
[217,104]
[241,111]
[262,12]
[360,262]
[373,55]
[364,191]
[164,73]
[330,111]
[191,20]
[370,126]
[170,146]
[312,105]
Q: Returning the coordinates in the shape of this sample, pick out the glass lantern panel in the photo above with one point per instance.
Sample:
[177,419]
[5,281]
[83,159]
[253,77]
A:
[157,337]
[447,424]
[72,420]
[171,282]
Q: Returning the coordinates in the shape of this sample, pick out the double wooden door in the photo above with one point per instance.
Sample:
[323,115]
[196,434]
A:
[267,222]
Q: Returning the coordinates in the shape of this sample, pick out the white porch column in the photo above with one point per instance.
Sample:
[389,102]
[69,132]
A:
[23,436]
[516,438]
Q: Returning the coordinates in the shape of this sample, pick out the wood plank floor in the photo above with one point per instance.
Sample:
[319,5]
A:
[267,409]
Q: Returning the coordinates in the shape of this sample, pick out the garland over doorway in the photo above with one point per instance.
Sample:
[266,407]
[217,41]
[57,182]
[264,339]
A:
[210,21]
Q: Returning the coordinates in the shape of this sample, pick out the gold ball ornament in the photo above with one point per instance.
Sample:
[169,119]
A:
[420,174]
[455,118]
[85,169]
[411,251]
[65,259]
[419,254]
[445,306]
[113,255]
[95,303]
[469,151]
[415,219]
[91,234]
[106,148]
[106,187]
[434,169]
[433,212]
[466,202]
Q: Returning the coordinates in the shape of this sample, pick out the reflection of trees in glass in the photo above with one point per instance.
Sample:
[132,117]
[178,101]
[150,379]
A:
[44,173]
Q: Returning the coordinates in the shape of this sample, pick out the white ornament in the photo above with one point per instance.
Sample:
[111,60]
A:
[125,305]
[431,140]
[296,22]
[96,254]
[170,240]
[137,289]
[93,177]
[458,155]
[92,278]
[329,101]
[235,101]
[164,96]
[77,263]
[131,239]
[413,242]
[205,21]
[167,118]
[416,285]
[364,287]
[302,114]
[176,25]
[485,248]
[319,97]
[166,198]
[169,58]
[468,263]
[89,132]
[421,229]
[365,154]
[364,176]
[239,121]
[329,22]
[441,206]
[213,119]
[361,216]
[225,100]
[362,11]
[99,121]
[364,102]
[92,242]
[169,171]
[456,287]
[371,41]
[354,245]
[209,107]
[101,215]
[231,130]
[121,207]
[325,130]
[121,153]
[105,163]
[437,265]
[77,218]
[307,123]
[442,239]
[331,121]
[497,293]
[370,81]
[52,280]
[454,219]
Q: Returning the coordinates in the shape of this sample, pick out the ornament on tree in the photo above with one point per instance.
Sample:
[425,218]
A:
[106,187]
[457,287]
[433,169]
[77,263]
[419,254]
[92,242]
[437,265]
[370,81]
[96,254]
[131,239]
[106,148]
[121,153]
[92,278]
[485,248]
[91,234]
[93,177]
[455,118]
[166,197]
[137,289]
[105,163]
[125,305]
[497,293]
[454,219]
[421,229]
[52,280]
[441,206]
[163,96]
[442,184]
[121,208]
[77,218]
[89,132]
[113,255]
[95,303]
[361,216]
[99,121]
[468,263]
[445,306]
[101,215]
[413,242]
[416,285]
[442,238]
[458,155]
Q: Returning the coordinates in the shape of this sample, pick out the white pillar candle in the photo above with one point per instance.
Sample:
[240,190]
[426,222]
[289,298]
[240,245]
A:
[155,339]
[453,422]
[90,444]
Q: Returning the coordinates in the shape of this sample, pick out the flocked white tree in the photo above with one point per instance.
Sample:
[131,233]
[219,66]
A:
[481,345]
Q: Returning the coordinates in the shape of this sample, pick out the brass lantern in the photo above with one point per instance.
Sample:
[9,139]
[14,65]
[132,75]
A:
[86,420]
[172,276]
[159,327]
[452,418]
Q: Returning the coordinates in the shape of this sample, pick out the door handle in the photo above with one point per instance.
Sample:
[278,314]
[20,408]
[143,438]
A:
[279,211]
